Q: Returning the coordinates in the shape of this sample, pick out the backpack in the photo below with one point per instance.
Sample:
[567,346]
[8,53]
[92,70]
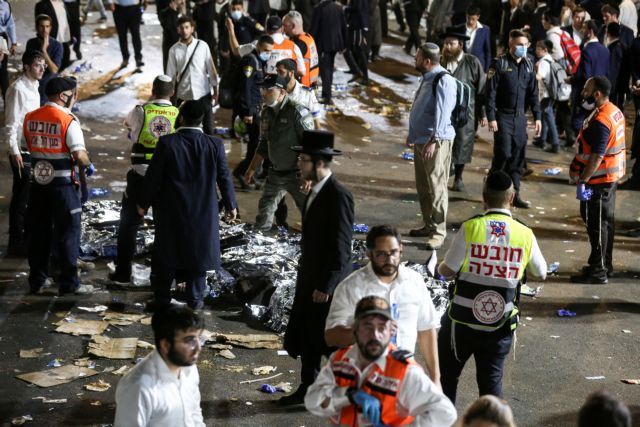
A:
[571,52]
[558,89]
[462,109]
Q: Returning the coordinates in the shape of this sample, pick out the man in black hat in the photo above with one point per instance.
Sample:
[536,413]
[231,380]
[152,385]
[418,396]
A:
[283,122]
[488,259]
[327,221]
[467,69]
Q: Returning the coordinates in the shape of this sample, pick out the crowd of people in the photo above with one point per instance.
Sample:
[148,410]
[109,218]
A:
[573,66]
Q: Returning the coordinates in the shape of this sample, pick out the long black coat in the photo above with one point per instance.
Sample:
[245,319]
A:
[181,185]
[327,229]
[329,26]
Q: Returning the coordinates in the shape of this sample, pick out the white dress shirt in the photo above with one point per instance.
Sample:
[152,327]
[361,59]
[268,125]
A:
[22,98]
[577,37]
[418,396]
[629,15]
[64,33]
[471,33]
[200,78]
[150,395]
[410,300]
[134,122]
[305,97]
[316,189]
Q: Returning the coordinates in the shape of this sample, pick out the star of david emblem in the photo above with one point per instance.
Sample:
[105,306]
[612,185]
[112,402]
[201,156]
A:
[498,228]
[43,172]
[488,307]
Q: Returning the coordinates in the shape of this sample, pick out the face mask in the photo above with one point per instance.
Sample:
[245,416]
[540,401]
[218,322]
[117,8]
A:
[520,52]
[264,56]
[589,103]
[236,15]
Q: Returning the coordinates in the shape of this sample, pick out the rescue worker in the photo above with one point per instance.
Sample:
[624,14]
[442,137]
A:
[283,48]
[598,166]
[283,123]
[53,136]
[292,25]
[373,383]
[488,259]
[247,102]
[511,86]
[146,123]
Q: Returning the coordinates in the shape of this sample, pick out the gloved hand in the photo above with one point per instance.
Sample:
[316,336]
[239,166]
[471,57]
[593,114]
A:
[370,406]
[84,193]
[583,193]
[90,170]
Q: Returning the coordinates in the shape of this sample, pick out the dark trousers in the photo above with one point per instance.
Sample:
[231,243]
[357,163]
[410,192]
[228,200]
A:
[489,349]
[598,216]
[18,206]
[384,18]
[413,22]
[130,221]
[310,367]
[66,55]
[397,11]
[73,10]
[359,49]
[563,120]
[509,145]
[163,275]
[165,55]
[252,145]
[327,60]
[127,19]
[54,207]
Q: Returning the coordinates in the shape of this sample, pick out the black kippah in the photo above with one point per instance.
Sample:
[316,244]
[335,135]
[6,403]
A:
[59,84]
[498,181]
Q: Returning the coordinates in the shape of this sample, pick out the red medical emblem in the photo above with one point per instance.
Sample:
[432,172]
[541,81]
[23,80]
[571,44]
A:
[498,228]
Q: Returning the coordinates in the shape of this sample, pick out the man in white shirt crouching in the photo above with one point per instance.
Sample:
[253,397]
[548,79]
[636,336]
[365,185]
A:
[162,390]
[411,306]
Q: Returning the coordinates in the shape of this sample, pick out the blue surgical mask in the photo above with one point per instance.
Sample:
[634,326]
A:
[236,15]
[521,51]
[264,56]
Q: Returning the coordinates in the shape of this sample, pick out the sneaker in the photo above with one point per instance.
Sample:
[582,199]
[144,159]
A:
[85,265]
[119,279]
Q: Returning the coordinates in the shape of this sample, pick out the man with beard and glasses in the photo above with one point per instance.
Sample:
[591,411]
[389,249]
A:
[374,383]
[162,390]
[411,305]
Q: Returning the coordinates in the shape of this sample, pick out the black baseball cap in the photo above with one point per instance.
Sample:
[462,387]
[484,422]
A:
[373,305]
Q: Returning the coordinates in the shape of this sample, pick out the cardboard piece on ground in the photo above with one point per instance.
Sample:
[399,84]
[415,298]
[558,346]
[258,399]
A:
[52,377]
[631,381]
[81,327]
[47,400]
[121,370]
[146,321]
[220,346]
[269,341]
[231,368]
[32,353]
[99,385]
[227,354]
[144,344]
[96,309]
[113,348]
[122,319]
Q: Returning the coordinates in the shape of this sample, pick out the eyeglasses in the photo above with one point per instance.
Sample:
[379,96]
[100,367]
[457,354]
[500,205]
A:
[383,255]
[193,341]
[42,65]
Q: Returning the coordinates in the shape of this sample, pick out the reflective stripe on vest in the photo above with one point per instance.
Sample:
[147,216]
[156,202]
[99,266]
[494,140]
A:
[311,61]
[159,120]
[613,164]
[383,385]
[498,249]
[45,131]
[284,50]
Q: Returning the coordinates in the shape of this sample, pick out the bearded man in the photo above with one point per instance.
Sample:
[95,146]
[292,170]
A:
[412,310]
[468,69]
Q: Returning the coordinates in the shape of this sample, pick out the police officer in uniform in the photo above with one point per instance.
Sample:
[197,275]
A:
[283,123]
[488,259]
[511,86]
[248,100]
[146,123]
[598,166]
[246,30]
[58,156]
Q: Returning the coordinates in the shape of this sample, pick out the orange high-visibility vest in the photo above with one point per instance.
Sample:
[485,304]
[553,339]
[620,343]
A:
[383,385]
[284,50]
[45,131]
[311,61]
[612,167]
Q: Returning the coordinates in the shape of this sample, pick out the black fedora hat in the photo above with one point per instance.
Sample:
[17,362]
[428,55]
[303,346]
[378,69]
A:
[317,142]
[455,32]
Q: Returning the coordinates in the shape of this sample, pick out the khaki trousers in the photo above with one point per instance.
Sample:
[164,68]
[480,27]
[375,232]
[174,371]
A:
[431,183]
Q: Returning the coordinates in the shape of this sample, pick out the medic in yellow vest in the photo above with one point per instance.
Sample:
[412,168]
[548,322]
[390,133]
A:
[373,383]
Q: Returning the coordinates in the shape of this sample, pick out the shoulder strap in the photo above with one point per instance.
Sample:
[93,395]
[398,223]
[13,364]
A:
[184,69]
[436,80]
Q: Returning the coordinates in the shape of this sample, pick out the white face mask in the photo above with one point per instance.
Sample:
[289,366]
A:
[236,15]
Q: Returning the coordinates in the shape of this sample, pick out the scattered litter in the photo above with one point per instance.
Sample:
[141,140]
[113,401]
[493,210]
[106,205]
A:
[220,346]
[553,268]
[98,192]
[631,381]
[597,377]
[145,344]
[76,327]
[626,331]
[227,354]
[85,362]
[140,275]
[570,251]
[360,228]
[283,353]
[146,321]
[529,291]
[263,370]
[260,379]
[113,348]
[552,171]
[32,353]
[122,319]
[595,297]
[269,389]
[248,403]
[231,368]
[99,385]
[366,125]
[18,421]
[529,318]
[121,370]
[407,155]
[253,341]
[555,336]
[96,309]
[55,363]
[57,376]
[284,387]
[47,400]
[95,403]
[565,313]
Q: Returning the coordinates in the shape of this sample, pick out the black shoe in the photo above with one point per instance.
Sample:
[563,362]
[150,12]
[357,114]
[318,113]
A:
[355,78]
[119,278]
[551,149]
[419,232]
[526,172]
[402,29]
[522,204]
[139,64]
[630,184]
[296,398]
[537,143]
[589,279]
[363,82]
